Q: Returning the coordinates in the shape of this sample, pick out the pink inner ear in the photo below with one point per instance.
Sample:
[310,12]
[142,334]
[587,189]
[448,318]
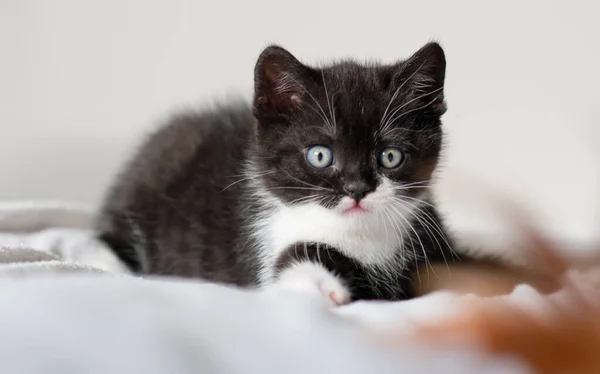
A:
[273,75]
[286,83]
[285,88]
[280,90]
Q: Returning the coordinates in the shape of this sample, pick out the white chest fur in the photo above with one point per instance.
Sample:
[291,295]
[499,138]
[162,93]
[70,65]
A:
[371,238]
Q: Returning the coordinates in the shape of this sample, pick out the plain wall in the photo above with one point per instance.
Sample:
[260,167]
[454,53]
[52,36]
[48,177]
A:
[82,81]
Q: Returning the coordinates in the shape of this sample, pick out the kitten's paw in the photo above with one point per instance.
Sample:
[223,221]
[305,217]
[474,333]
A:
[313,279]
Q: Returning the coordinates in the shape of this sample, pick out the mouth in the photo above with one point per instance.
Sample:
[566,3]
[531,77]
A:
[355,209]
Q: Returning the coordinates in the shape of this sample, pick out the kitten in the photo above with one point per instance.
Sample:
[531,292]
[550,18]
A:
[322,186]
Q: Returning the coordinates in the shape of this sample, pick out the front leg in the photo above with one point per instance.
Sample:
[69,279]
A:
[316,269]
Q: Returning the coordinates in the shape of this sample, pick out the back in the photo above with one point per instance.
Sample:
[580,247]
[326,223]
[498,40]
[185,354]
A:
[174,208]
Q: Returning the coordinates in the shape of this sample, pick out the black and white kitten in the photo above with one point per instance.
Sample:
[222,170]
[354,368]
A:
[321,186]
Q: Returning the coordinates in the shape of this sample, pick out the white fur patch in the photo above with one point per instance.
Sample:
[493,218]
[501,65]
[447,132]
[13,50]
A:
[314,280]
[372,237]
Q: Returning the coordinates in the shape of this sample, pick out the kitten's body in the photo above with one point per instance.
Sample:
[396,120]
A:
[225,195]
[176,208]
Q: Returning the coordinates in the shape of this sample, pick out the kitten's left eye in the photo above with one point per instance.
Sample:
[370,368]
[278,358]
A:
[390,158]
[319,156]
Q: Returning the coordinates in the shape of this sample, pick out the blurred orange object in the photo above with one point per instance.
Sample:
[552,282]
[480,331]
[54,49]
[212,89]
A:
[562,335]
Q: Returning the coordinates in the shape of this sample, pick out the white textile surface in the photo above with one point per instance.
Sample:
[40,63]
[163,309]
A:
[68,306]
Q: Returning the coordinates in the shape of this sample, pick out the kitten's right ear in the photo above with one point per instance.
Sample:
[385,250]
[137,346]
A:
[278,86]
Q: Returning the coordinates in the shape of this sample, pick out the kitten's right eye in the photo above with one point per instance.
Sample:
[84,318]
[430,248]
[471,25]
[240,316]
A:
[319,156]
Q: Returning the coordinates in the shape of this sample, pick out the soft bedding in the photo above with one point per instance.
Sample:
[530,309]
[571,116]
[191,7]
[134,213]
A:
[68,306]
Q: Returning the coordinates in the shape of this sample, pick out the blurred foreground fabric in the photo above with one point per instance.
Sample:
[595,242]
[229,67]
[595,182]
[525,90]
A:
[68,305]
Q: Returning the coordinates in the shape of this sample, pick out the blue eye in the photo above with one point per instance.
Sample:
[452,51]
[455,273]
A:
[390,158]
[319,156]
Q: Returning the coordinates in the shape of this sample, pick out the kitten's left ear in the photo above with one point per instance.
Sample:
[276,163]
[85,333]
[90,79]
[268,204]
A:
[278,83]
[424,73]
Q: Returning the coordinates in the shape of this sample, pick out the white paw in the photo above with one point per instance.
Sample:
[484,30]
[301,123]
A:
[313,279]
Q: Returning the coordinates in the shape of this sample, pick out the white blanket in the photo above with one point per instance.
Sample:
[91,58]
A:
[60,313]
[48,237]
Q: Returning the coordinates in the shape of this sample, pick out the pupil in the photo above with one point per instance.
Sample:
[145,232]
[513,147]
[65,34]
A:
[390,157]
[320,156]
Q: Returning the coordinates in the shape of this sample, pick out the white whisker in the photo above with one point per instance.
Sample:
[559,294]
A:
[296,188]
[383,118]
[421,107]
[393,207]
[331,110]
[258,175]
[433,222]
[399,232]
[307,199]
[308,184]
[393,116]
[319,254]
[322,114]
[417,213]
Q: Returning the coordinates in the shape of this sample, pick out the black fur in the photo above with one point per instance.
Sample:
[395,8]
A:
[183,206]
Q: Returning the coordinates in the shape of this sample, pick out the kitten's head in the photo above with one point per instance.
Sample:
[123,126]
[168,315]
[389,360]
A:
[350,137]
